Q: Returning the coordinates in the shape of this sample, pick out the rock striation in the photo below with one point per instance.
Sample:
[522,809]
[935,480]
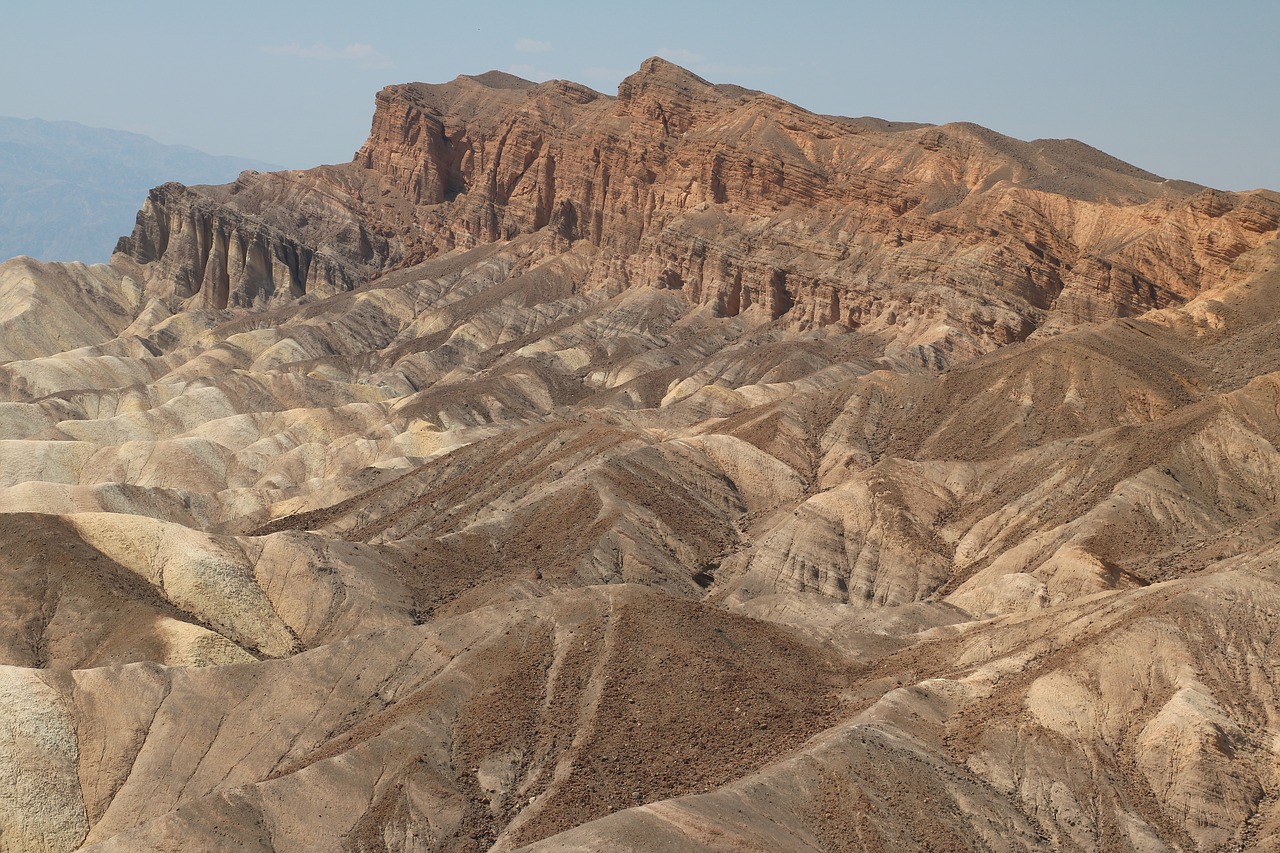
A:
[952,239]
[677,469]
[210,254]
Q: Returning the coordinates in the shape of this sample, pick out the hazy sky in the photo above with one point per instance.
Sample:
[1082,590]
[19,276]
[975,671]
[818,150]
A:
[1189,90]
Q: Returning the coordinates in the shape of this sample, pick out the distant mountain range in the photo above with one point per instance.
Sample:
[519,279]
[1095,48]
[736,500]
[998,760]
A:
[68,192]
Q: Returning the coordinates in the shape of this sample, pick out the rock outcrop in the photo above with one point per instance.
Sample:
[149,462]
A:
[951,239]
[213,255]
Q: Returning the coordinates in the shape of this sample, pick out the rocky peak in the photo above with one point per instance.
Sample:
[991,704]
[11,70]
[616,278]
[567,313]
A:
[498,80]
[950,240]
[662,94]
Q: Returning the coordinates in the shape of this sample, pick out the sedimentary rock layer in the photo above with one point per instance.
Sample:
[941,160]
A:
[951,239]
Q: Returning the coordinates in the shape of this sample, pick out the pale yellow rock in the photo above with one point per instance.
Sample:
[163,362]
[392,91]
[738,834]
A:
[209,578]
[41,809]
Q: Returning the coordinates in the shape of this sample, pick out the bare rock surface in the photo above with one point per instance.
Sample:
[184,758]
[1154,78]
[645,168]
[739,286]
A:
[674,470]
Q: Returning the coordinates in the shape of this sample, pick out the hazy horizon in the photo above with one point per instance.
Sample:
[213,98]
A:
[69,191]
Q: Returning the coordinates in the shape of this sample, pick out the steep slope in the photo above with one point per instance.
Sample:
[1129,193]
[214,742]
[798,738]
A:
[681,468]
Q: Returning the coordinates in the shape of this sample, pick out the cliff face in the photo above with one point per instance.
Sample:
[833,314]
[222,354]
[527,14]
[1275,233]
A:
[953,238]
[220,257]
[742,200]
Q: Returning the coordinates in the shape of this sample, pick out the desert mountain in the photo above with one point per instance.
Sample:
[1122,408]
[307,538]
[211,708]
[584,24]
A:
[67,191]
[673,470]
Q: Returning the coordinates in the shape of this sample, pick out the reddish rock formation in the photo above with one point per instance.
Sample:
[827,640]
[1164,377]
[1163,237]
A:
[954,238]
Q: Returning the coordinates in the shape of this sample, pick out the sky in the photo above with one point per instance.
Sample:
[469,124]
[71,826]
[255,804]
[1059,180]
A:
[1188,90]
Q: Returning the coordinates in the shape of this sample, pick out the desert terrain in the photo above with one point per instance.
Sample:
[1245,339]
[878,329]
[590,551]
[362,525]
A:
[669,470]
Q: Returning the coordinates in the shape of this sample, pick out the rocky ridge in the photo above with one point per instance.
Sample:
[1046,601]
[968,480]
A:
[949,239]
[574,472]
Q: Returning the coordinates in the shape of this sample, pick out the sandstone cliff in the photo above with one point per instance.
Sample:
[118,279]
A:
[952,239]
